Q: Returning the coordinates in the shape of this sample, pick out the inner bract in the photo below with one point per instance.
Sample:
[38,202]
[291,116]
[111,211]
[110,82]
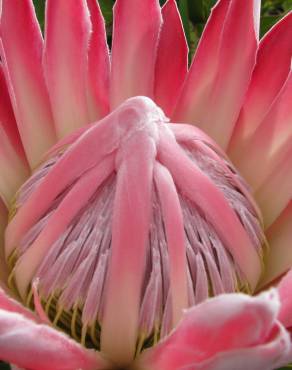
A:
[67,244]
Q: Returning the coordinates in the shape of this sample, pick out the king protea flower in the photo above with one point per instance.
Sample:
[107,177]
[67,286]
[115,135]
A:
[126,214]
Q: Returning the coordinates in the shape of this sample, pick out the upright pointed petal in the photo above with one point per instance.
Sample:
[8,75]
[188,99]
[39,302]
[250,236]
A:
[67,35]
[35,346]
[13,164]
[268,77]
[220,73]
[172,59]
[272,137]
[279,258]
[268,154]
[21,52]
[131,222]
[134,48]
[175,234]
[285,291]
[208,337]
[98,65]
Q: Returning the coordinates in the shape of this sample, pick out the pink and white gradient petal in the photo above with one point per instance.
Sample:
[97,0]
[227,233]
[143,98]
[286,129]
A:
[98,65]
[134,49]
[227,332]
[51,350]
[67,35]
[268,153]
[129,241]
[279,257]
[24,76]
[13,165]
[221,69]
[175,235]
[268,77]
[172,59]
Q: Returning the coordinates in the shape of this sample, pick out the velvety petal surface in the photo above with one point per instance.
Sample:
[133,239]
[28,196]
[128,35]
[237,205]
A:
[227,332]
[98,65]
[21,53]
[67,35]
[134,48]
[172,59]
[220,73]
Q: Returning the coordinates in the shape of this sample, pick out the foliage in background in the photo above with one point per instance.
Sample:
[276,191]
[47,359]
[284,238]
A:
[194,14]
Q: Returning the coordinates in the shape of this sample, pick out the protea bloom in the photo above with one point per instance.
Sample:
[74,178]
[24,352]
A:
[137,213]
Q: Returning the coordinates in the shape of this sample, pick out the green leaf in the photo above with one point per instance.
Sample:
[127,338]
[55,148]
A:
[106,7]
[40,11]
[4,366]
[184,13]
[200,10]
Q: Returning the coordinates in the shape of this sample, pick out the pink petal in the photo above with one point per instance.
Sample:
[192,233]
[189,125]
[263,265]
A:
[227,332]
[191,135]
[134,48]
[220,73]
[73,202]
[285,291]
[3,224]
[11,305]
[81,156]
[275,194]
[13,164]
[38,347]
[67,36]
[98,65]
[198,187]
[268,153]
[279,257]
[24,74]
[175,234]
[7,120]
[172,59]
[129,242]
[268,77]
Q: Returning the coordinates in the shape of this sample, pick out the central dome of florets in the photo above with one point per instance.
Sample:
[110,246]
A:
[137,213]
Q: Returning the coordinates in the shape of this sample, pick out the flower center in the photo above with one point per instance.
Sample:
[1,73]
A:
[138,203]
